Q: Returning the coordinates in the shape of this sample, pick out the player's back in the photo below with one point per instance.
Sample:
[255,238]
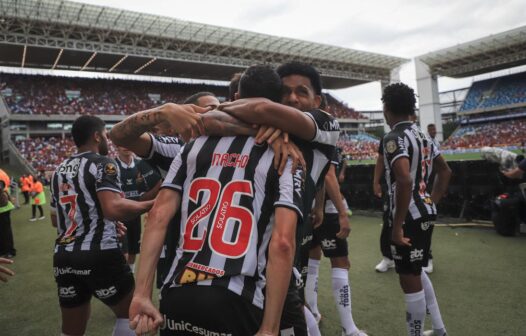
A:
[229,191]
[407,140]
[81,225]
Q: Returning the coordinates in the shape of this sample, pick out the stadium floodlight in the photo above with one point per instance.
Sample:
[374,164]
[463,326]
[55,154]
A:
[145,65]
[24,56]
[118,62]
[57,59]
[88,61]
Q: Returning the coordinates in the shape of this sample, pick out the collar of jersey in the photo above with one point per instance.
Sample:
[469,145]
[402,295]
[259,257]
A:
[402,122]
[125,166]
[79,154]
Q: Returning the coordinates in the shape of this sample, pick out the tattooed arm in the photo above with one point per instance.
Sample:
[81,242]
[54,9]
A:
[131,132]
[218,123]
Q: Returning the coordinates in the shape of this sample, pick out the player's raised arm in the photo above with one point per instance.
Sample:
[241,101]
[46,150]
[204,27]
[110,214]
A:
[263,111]
[131,132]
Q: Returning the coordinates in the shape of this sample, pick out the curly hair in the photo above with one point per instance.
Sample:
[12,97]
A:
[399,99]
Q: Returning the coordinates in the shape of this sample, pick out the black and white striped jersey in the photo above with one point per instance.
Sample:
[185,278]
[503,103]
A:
[407,140]
[230,190]
[318,153]
[81,224]
[162,152]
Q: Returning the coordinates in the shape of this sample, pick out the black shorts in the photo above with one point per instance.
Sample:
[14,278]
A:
[325,235]
[207,310]
[79,275]
[293,317]
[132,242]
[411,259]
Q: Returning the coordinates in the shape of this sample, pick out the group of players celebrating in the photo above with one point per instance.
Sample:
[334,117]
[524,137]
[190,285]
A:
[249,200]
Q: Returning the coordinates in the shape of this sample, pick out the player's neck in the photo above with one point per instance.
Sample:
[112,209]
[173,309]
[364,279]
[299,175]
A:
[88,148]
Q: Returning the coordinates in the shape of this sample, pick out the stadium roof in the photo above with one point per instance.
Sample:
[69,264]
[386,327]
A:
[491,53]
[67,35]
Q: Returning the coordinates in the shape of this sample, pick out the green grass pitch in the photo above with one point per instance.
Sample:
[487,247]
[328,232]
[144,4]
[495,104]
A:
[479,279]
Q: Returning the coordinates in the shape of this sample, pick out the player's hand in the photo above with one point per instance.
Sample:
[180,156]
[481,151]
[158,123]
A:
[185,119]
[398,238]
[268,134]
[377,190]
[283,151]
[145,319]
[345,226]
[4,271]
[121,230]
[316,217]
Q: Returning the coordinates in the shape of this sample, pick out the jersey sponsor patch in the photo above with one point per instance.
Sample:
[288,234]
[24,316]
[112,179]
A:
[110,169]
[70,169]
[390,146]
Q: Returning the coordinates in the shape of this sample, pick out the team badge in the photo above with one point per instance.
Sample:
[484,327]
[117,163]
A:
[110,169]
[390,146]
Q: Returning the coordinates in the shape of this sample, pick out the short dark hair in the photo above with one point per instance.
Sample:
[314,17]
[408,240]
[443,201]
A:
[233,87]
[84,127]
[302,69]
[195,97]
[431,125]
[260,81]
[399,99]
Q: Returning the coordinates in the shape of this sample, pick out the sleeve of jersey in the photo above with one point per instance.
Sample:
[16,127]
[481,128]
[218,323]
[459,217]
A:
[327,128]
[395,148]
[436,152]
[176,174]
[335,159]
[163,150]
[107,177]
[291,189]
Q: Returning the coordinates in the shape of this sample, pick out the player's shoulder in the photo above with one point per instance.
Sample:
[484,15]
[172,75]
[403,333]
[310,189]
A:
[324,120]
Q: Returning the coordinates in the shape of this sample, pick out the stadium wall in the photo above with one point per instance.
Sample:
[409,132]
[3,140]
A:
[474,184]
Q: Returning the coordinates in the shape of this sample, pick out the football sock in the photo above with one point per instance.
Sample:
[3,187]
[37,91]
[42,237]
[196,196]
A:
[341,290]
[311,286]
[432,304]
[416,312]
[312,325]
[122,328]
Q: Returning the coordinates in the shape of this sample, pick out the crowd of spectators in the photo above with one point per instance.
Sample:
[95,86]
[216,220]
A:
[494,134]
[65,95]
[340,110]
[496,92]
[45,154]
[358,146]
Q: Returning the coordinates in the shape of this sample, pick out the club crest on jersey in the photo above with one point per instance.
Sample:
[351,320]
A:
[426,225]
[110,169]
[390,146]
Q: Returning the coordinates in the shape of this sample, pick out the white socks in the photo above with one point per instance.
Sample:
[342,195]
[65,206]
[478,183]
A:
[432,305]
[122,328]
[342,295]
[312,325]
[311,286]
[416,312]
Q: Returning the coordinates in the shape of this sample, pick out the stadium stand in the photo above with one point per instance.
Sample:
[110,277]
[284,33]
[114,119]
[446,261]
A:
[65,95]
[495,92]
[340,110]
[44,154]
[359,146]
[495,134]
